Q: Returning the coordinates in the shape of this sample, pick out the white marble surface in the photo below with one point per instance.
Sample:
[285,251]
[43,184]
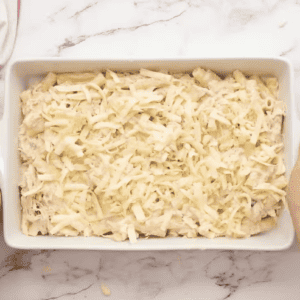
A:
[152,29]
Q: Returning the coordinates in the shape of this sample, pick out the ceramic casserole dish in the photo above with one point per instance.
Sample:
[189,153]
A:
[18,75]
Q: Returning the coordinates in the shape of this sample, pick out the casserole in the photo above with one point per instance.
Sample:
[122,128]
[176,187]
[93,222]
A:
[19,74]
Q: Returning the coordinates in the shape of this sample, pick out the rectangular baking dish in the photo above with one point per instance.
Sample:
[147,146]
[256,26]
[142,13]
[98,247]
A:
[17,77]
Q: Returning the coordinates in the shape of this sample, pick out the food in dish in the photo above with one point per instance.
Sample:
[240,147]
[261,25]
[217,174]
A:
[142,154]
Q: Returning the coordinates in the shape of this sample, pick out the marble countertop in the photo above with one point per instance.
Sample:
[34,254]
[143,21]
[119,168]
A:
[154,29]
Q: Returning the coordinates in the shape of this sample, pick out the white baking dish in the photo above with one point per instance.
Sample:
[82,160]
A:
[17,76]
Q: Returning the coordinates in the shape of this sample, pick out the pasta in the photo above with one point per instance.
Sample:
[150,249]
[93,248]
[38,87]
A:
[141,154]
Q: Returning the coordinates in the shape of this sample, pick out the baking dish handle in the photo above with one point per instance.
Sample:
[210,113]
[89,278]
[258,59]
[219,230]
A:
[2,133]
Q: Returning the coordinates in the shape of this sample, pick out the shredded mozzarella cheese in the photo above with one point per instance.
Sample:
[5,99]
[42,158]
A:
[152,153]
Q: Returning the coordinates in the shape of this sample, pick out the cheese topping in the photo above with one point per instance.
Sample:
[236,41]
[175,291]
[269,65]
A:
[151,153]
